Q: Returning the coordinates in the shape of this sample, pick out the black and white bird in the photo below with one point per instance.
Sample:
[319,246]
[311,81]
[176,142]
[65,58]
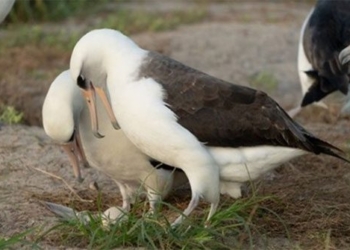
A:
[66,119]
[324,34]
[211,129]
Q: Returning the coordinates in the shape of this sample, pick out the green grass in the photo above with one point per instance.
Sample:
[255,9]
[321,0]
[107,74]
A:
[15,241]
[48,10]
[39,35]
[10,115]
[265,81]
[231,227]
[128,22]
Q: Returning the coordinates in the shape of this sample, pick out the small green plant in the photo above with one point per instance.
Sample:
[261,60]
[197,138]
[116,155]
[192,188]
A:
[264,81]
[229,229]
[15,241]
[10,115]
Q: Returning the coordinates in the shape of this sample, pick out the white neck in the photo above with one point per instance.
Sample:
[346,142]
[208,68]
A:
[102,53]
[122,66]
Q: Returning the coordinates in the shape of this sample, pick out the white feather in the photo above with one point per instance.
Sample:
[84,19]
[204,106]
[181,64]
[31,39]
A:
[239,165]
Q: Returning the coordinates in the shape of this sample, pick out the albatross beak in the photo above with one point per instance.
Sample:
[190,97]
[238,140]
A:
[80,149]
[89,94]
[71,149]
[101,93]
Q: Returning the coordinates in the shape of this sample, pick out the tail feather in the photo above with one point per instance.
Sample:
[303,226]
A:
[322,147]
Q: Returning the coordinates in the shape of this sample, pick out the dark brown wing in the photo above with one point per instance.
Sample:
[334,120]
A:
[222,114]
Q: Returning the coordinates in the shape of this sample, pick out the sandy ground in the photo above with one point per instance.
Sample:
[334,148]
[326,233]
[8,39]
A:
[238,42]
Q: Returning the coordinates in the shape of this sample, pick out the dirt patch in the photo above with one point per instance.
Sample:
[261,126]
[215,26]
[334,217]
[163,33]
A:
[240,41]
[313,195]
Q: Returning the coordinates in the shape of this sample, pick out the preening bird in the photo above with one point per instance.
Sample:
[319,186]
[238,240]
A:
[187,119]
[66,120]
[324,34]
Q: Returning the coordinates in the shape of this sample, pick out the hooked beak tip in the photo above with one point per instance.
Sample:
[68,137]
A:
[115,125]
[98,135]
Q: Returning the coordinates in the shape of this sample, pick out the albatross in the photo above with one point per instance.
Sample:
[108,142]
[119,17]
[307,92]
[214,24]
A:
[324,35]
[66,120]
[188,119]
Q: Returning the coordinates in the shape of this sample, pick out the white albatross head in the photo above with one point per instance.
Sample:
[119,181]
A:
[63,103]
[95,54]
[61,113]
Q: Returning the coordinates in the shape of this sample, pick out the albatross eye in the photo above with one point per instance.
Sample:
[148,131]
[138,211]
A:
[81,82]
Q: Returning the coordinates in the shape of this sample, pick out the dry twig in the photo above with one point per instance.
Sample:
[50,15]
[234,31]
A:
[64,181]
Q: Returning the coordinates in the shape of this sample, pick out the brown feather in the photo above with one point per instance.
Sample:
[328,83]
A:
[222,114]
